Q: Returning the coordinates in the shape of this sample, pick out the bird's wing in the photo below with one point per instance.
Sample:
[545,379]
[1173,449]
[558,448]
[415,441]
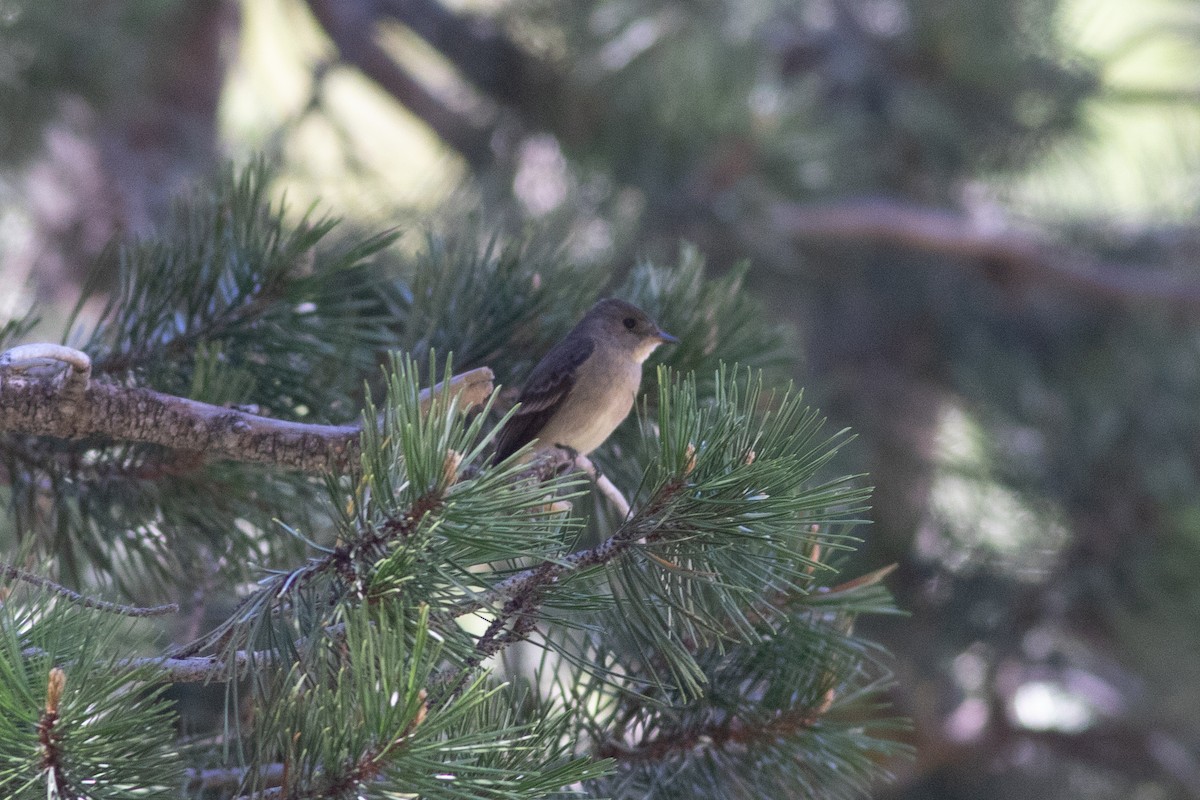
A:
[547,387]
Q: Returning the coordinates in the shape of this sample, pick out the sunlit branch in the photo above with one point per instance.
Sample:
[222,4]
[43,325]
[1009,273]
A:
[606,487]
[74,407]
[351,26]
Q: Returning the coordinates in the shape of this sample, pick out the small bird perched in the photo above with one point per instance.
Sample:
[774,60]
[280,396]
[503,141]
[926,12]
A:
[585,386]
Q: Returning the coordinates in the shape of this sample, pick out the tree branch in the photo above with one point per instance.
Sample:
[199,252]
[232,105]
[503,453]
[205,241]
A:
[39,405]
[522,593]
[271,775]
[351,27]
[193,669]
[718,735]
[606,487]
[479,48]
[1024,256]
[1152,95]
[202,669]
[529,583]
[17,574]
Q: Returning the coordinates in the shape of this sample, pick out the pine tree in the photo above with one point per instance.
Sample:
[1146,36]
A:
[263,468]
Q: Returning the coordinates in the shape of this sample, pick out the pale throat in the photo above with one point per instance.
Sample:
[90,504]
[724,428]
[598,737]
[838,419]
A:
[644,349]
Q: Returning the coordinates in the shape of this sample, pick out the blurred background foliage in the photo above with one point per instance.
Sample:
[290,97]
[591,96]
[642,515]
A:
[978,218]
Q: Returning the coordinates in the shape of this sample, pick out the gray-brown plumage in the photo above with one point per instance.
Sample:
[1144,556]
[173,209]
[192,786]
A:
[585,386]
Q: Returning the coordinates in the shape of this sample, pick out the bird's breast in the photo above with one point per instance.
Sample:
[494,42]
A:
[599,401]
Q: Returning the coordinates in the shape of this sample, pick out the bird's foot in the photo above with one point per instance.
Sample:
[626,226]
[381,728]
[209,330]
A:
[571,452]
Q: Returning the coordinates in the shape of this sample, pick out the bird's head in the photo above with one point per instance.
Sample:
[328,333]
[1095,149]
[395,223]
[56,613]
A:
[628,326]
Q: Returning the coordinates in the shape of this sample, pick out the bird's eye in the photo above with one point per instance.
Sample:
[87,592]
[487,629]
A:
[630,323]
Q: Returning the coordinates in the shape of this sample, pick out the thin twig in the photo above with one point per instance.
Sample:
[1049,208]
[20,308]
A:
[607,488]
[18,574]
[554,461]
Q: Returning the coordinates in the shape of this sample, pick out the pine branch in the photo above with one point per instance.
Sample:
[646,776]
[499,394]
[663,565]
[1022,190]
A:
[18,574]
[399,738]
[717,735]
[201,669]
[698,507]
[522,593]
[1018,256]
[521,589]
[191,669]
[805,684]
[352,691]
[102,729]
[75,407]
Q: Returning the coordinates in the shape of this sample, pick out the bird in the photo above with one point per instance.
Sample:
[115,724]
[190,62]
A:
[585,386]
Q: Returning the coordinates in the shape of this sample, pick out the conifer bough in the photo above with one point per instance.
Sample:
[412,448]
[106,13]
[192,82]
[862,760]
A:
[37,399]
[696,644]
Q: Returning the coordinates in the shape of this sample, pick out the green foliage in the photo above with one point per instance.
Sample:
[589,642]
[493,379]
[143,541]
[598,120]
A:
[399,737]
[805,685]
[232,289]
[715,583]
[366,659]
[57,48]
[229,303]
[416,525]
[733,517]
[109,735]
[718,630]
[487,299]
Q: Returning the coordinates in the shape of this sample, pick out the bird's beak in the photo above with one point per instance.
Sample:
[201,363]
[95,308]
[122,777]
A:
[666,338]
